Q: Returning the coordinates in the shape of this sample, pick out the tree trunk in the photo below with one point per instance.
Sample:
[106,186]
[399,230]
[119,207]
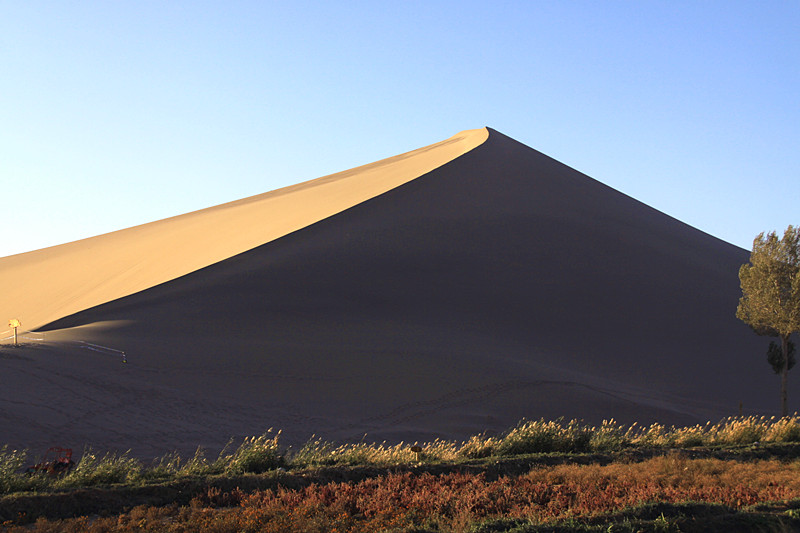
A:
[784,374]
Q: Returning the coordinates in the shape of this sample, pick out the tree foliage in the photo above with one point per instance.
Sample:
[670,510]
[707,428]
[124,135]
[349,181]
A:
[775,357]
[770,301]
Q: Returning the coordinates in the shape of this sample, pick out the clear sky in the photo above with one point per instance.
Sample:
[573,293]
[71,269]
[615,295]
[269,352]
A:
[117,113]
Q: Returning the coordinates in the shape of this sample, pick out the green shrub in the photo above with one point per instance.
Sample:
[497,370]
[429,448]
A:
[545,436]
[609,436]
[254,456]
[739,430]
[12,479]
[784,430]
[197,465]
[315,452]
[94,470]
[478,447]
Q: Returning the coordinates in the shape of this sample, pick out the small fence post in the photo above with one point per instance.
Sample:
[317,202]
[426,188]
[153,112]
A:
[14,324]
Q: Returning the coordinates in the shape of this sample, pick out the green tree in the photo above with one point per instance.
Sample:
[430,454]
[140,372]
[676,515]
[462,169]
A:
[770,302]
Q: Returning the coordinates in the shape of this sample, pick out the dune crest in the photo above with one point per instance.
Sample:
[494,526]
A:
[44,285]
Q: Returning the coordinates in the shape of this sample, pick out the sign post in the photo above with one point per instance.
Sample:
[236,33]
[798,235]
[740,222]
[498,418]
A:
[14,324]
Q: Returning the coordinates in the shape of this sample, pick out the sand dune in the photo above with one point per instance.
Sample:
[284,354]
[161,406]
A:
[479,283]
[42,286]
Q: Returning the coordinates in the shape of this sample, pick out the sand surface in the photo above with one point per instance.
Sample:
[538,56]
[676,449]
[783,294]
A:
[41,286]
[440,293]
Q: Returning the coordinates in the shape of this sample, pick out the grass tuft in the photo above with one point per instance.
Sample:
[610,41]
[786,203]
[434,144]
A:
[254,456]
[93,469]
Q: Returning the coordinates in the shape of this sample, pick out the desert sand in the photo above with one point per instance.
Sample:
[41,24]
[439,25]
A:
[44,285]
[440,293]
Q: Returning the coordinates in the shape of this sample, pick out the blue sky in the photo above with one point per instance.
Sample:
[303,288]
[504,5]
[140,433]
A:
[114,114]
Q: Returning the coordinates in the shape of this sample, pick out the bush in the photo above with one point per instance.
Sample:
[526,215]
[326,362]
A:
[11,479]
[478,447]
[254,456]
[95,470]
[740,430]
[544,437]
[317,452]
[784,430]
[609,436]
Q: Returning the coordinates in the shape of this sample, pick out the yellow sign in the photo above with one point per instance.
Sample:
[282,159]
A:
[14,323]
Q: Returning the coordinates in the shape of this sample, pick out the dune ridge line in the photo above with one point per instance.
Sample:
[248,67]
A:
[44,285]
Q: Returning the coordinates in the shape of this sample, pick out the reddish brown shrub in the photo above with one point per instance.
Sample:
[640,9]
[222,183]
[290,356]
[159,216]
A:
[400,501]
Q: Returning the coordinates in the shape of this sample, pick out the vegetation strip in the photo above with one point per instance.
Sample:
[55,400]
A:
[117,484]
[690,495]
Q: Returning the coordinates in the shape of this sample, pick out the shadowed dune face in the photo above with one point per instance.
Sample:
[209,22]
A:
[497,286]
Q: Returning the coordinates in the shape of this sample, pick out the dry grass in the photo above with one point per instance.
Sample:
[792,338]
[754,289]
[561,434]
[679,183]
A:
[262,453]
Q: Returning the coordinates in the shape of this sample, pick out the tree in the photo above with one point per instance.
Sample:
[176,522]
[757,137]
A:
[770,302]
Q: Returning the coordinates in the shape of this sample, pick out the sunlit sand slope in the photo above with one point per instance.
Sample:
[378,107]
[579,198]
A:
[41,286]
[500,285]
